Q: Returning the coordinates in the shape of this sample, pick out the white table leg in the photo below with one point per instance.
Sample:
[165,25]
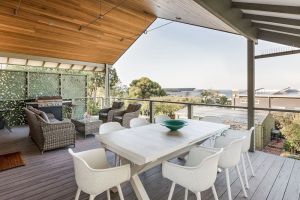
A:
[138,188]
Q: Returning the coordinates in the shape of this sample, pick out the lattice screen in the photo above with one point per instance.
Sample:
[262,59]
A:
[18,86]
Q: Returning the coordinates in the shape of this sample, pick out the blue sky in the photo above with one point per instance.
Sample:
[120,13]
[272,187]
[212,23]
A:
[181,55]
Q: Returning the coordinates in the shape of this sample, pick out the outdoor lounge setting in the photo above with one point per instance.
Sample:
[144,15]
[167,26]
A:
[69,131]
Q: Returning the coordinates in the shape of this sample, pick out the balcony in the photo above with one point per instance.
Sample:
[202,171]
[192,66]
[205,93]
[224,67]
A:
[43,42]
[50,176]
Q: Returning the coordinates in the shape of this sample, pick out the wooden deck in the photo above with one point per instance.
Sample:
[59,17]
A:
[50,176]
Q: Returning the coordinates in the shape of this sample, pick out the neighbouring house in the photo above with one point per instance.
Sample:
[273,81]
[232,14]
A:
[237,118]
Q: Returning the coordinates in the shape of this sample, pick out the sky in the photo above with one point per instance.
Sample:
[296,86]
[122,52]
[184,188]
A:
[181,55]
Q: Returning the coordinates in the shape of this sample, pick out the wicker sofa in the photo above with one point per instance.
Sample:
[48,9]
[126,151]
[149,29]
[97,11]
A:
[124,117]
[47,132]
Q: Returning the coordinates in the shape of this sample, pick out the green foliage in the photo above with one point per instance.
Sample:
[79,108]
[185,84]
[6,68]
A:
[15,115]
[213,97]
[40,83]
[291,133]
[13,85]
[145,88]
[43,84]
[93,107]
[73,86]
[96,84]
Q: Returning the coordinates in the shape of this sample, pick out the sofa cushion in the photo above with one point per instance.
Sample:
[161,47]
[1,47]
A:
[40,113]
[103,114]
[44,116]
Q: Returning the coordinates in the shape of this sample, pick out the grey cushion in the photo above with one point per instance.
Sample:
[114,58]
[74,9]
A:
[44,116]
[104,115]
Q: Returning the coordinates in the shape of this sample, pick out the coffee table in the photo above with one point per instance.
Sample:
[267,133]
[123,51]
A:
[87,126]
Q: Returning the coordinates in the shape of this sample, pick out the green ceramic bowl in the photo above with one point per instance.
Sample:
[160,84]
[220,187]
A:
[174,124]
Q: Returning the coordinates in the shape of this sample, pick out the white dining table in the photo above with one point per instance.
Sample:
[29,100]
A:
[148,146]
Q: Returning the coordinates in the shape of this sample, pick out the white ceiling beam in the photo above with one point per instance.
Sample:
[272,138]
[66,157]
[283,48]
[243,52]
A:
[267,7]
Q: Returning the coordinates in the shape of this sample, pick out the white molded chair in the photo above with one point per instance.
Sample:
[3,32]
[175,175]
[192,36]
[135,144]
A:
[109,127]
[136,122]
[198,174]
[230,157]
[93,175]
[161,118]
[213,119]
[245,148]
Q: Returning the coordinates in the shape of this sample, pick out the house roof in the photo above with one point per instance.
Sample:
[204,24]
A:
[100,31]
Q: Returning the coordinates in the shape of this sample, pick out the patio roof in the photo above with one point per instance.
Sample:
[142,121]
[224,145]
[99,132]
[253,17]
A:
[100,31]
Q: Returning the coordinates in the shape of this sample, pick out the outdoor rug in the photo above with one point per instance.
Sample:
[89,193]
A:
[11,160]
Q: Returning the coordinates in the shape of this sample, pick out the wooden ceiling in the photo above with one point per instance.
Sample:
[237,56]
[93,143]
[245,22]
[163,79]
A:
[74,30]
[51,28]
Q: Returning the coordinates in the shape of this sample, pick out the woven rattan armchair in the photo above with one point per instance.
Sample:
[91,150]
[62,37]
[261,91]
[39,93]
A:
[124,117]
[51,134]
[106,114]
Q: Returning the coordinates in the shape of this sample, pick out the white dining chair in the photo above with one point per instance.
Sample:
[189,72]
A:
[245,148]
[230,157]
[136,122]
[93,175]
[110,127]
[161,118]
[213,119]
[198,174]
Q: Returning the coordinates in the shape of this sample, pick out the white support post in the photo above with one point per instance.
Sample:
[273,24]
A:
[107,87]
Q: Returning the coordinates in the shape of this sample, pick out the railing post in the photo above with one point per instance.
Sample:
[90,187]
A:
[190,111]
[151,111]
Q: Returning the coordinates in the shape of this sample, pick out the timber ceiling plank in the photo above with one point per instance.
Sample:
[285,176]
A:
[51,28]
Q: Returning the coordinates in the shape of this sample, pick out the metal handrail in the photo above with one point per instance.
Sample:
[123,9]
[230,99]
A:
[190,106]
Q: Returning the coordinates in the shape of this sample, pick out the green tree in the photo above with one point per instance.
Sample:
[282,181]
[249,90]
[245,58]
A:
[223,100]
[213,97]
[98,81]
[291,133]
[208,96]
[145,88]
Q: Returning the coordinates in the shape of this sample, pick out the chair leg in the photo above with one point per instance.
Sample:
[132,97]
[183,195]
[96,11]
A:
[171,191]
[92,197]
[198,195]
[245,171]
[228,184]
[186,194]
[77,194]
[120,192]
[108,194]
[251,167]
[241,180]
[214,192]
